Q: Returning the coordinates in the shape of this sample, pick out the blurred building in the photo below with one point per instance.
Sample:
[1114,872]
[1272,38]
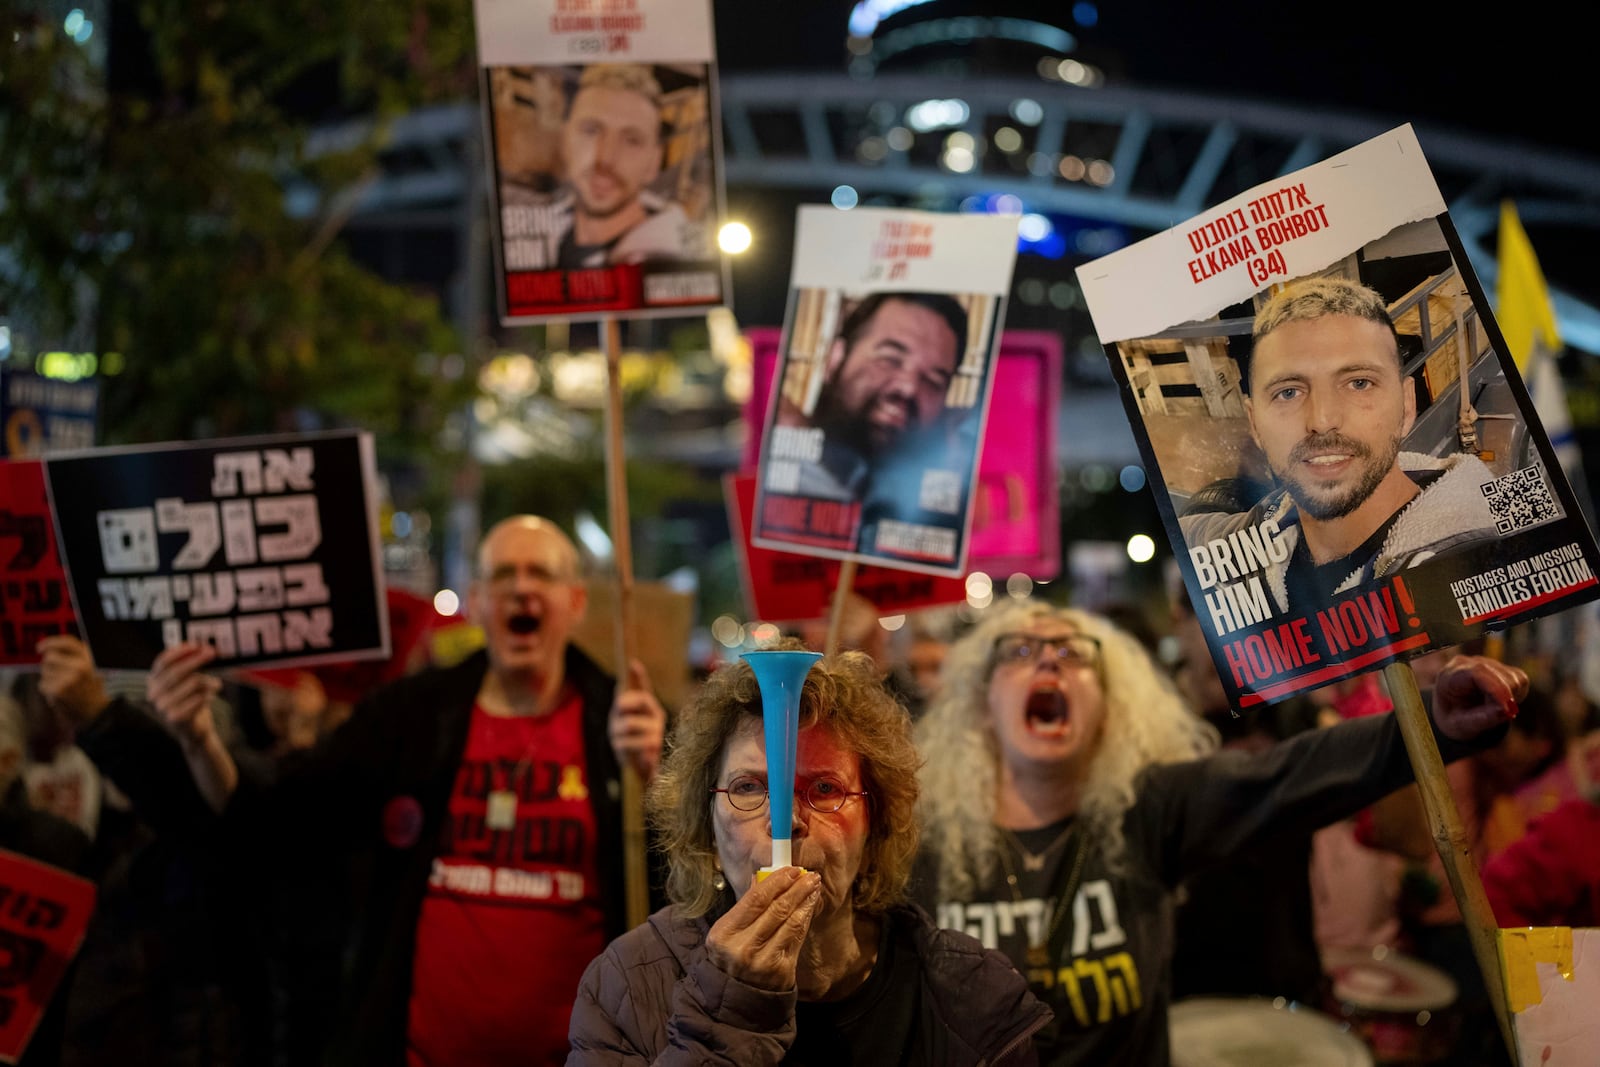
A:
[1024,107]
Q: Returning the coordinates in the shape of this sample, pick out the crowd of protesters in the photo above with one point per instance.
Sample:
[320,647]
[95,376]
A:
[434,876]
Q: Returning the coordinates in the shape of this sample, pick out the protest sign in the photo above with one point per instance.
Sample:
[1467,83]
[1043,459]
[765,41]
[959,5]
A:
[44,912]
[1016,520]
[604,145]
[265,548]
[662,646]
[1340,492]
[788,587]
[41,414]
[871,441]
[34,601]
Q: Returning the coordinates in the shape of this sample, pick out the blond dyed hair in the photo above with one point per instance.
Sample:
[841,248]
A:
[1315,298]
[1146,723]
[625,77]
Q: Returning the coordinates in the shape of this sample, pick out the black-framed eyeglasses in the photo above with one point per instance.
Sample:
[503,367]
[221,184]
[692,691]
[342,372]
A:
[1070,650]
[827,795]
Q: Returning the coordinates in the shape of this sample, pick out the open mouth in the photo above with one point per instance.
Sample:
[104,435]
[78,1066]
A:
[1047,713]
[603,183]
[1327,450]
[522,624]
[891,415]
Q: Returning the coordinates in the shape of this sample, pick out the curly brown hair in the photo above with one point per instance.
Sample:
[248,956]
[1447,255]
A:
[845,695]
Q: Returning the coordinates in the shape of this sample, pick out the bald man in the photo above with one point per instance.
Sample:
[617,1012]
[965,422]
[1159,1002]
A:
[488,795]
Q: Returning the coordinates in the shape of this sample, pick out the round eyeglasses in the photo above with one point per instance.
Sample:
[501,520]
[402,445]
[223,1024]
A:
[827,795]
[1070,650]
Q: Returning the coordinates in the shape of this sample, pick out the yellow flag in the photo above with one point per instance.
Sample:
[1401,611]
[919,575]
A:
[1524,311]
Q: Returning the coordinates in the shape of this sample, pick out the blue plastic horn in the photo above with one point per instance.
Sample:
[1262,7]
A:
[780,674]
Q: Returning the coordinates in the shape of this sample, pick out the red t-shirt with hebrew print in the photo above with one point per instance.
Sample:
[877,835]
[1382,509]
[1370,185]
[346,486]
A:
[512,914]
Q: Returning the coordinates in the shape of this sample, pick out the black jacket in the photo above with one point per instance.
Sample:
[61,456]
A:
[377,789]
[1110,956]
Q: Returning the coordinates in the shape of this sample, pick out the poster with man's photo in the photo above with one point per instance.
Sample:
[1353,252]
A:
[604,145]
[265,548]
[871,443]
[1347,463]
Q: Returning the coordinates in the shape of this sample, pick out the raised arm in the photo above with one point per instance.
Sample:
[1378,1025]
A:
[1207,810]
[1475,694]
[69,680]
[144,759]
[181,695]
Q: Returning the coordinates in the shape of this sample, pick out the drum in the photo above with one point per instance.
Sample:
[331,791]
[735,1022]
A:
[1401,1007]
[1251,1032]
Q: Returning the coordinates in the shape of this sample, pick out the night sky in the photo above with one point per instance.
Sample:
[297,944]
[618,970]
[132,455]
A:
[1519,79]
[1521,76]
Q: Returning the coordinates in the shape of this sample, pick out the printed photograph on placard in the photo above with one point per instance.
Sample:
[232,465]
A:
[603,141]
[1015,515]
[791,587]
[1348,464]
[873,434]
[264,548]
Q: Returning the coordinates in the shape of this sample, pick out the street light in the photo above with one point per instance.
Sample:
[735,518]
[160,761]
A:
[734,238]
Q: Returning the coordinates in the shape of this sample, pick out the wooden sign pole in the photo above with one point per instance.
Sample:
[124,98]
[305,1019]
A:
[636,884]
[1450,838]
[841,597]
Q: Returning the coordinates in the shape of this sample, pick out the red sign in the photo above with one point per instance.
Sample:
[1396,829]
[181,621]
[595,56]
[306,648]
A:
[34,601]
[786,586]
[1016,522]
[44,912]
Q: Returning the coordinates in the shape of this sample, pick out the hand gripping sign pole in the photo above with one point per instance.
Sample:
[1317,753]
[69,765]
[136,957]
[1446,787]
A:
[1450,838]
[635,873]
[780,675]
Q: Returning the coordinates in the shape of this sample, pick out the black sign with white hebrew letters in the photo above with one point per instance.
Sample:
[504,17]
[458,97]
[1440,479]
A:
[265,548]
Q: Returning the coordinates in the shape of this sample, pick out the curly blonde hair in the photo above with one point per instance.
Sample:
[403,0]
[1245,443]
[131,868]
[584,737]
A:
[845,695]
[1146,722]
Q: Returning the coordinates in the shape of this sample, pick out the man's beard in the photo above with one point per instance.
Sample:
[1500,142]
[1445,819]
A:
[1320,506]
[840,425]
[602,211]
[855,427]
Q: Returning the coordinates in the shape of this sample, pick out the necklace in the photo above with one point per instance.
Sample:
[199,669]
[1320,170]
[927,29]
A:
[1038,957]
[500,807]
[1034,861]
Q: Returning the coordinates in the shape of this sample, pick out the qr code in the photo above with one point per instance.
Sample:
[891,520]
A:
[1519,500]
[941,492]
